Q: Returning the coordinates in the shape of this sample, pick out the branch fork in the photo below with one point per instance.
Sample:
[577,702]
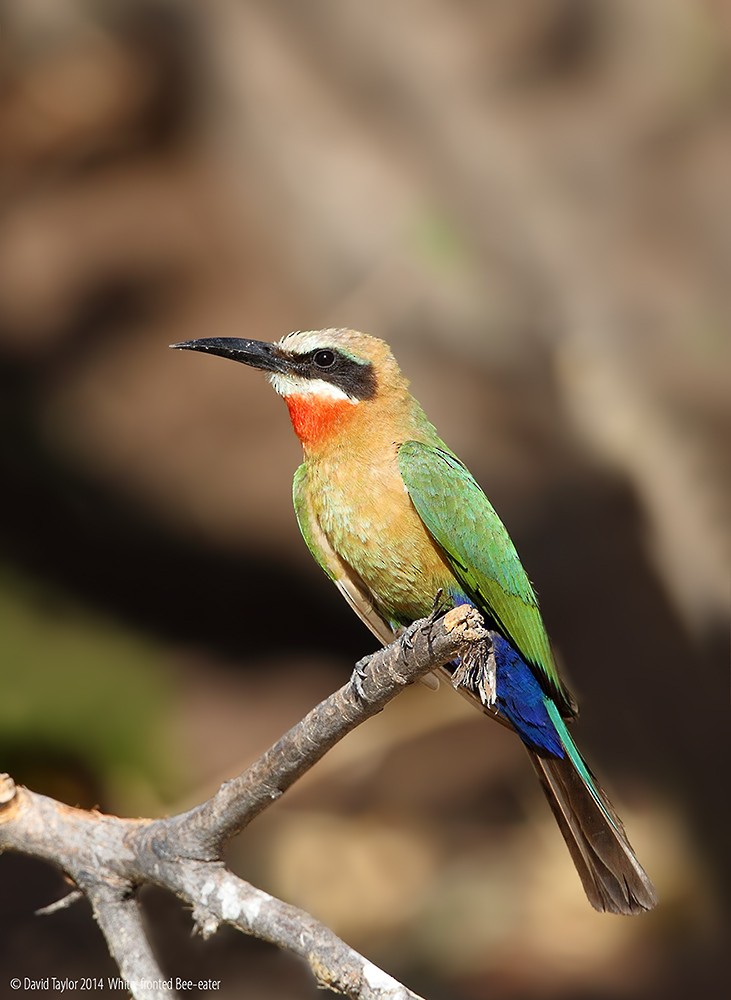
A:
[108,858]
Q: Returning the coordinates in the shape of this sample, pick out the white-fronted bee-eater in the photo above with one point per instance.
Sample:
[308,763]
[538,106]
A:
[393,517]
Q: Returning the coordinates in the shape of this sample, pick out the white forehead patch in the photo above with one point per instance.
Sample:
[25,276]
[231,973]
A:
[294,385]
[303,341]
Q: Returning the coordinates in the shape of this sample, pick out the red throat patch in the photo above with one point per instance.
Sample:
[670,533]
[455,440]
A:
[316,419]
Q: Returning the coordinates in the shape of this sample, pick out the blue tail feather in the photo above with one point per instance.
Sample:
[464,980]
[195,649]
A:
[612,876]
[535,717]
[522,700]
[520,697]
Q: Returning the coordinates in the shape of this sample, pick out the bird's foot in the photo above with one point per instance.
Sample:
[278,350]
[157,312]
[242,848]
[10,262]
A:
[360,672]
[437,607]
[405,634]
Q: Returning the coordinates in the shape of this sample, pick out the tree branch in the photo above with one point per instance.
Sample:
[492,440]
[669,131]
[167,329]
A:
[420,649]
[118,914]
[108,858]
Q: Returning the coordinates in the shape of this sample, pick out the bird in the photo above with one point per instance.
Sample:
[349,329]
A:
[394,518]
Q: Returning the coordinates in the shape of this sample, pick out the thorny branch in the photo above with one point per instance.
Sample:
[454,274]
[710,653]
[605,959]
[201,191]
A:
[109,858]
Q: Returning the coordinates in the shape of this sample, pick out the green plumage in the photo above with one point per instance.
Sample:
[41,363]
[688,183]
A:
[392,516]
[480,552]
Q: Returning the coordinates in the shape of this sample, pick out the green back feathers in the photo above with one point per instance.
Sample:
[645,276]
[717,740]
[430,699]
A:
[463,522]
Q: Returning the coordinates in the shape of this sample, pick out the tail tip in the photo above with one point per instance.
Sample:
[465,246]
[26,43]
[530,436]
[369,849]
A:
[624,898]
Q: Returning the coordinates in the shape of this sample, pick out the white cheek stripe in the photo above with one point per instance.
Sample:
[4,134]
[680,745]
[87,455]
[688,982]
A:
[294,385]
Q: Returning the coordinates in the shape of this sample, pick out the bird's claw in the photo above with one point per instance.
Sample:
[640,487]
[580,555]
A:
[437,607]
[405,635]
[360,672]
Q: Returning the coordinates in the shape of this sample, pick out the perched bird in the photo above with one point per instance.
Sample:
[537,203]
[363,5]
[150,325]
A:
[393,517]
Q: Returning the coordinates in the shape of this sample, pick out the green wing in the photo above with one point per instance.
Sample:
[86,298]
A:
[476,544]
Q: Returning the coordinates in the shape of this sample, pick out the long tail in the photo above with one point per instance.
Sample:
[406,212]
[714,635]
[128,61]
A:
[612,877]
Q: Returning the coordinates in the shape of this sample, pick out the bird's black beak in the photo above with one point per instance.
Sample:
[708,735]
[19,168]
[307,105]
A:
[255,353]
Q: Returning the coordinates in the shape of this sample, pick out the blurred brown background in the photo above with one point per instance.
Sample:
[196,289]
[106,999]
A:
[530,202]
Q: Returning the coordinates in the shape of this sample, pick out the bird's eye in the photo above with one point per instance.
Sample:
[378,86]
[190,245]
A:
[324,359]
